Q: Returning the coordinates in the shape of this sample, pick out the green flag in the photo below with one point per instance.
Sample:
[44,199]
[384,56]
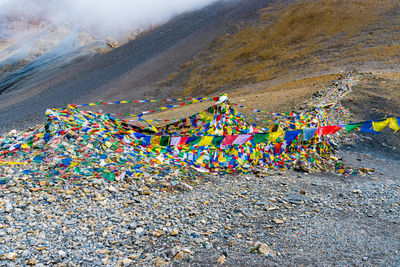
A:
[351,127]
[260,137]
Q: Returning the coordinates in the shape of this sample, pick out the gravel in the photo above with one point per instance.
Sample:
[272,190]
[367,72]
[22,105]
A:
[288,218]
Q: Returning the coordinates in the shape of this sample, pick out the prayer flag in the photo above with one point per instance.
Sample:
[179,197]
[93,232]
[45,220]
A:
[164,140]
[274,136]
[308,133]
[291,135]
[155,140]
[175,140]
[260,137]
[394,123]
[183,141]
[241,139]
[351,126]
[229,139]
[368,127]
[380,125]
[205,141]
[331,129]
[216,141]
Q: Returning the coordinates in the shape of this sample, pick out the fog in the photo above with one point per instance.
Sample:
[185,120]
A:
[99,17]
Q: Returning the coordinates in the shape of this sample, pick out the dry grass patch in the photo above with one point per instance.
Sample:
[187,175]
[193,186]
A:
[306,36]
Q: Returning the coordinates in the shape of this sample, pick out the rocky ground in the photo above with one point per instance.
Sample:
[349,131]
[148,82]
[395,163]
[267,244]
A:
[374,97]
[287,218]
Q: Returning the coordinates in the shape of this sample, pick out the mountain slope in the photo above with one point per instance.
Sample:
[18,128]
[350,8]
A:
[130,71]
[240,47]
[296,40]
[30,48]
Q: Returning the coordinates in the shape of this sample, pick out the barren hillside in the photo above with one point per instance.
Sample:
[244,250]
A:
[239,47]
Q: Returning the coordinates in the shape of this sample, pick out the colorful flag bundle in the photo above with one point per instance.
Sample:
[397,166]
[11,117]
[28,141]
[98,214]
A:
[75,144]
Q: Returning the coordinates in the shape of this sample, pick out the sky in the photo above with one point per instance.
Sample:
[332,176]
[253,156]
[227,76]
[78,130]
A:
[101,17]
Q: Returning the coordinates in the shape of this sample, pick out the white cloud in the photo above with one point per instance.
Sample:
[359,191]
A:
[102,16]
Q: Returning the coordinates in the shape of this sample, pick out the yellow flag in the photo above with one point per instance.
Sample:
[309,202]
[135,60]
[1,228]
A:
[73,164]
[25,145]
[202,114]
[153,128]
[200,159]
[155,140]
[205,141]
[108,144]
[380,125]
[394,124]
[12,163]
[252,156]
[273,136]
[221,158]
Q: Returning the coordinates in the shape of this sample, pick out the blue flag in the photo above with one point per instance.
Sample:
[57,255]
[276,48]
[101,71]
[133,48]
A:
[368,127]
[291,135]
[308,133]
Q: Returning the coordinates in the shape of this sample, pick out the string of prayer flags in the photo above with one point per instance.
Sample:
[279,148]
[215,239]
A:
[147,101]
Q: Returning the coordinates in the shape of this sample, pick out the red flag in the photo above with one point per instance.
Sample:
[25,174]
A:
[278,148]
[331,129]
[229,139]
[183,140]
